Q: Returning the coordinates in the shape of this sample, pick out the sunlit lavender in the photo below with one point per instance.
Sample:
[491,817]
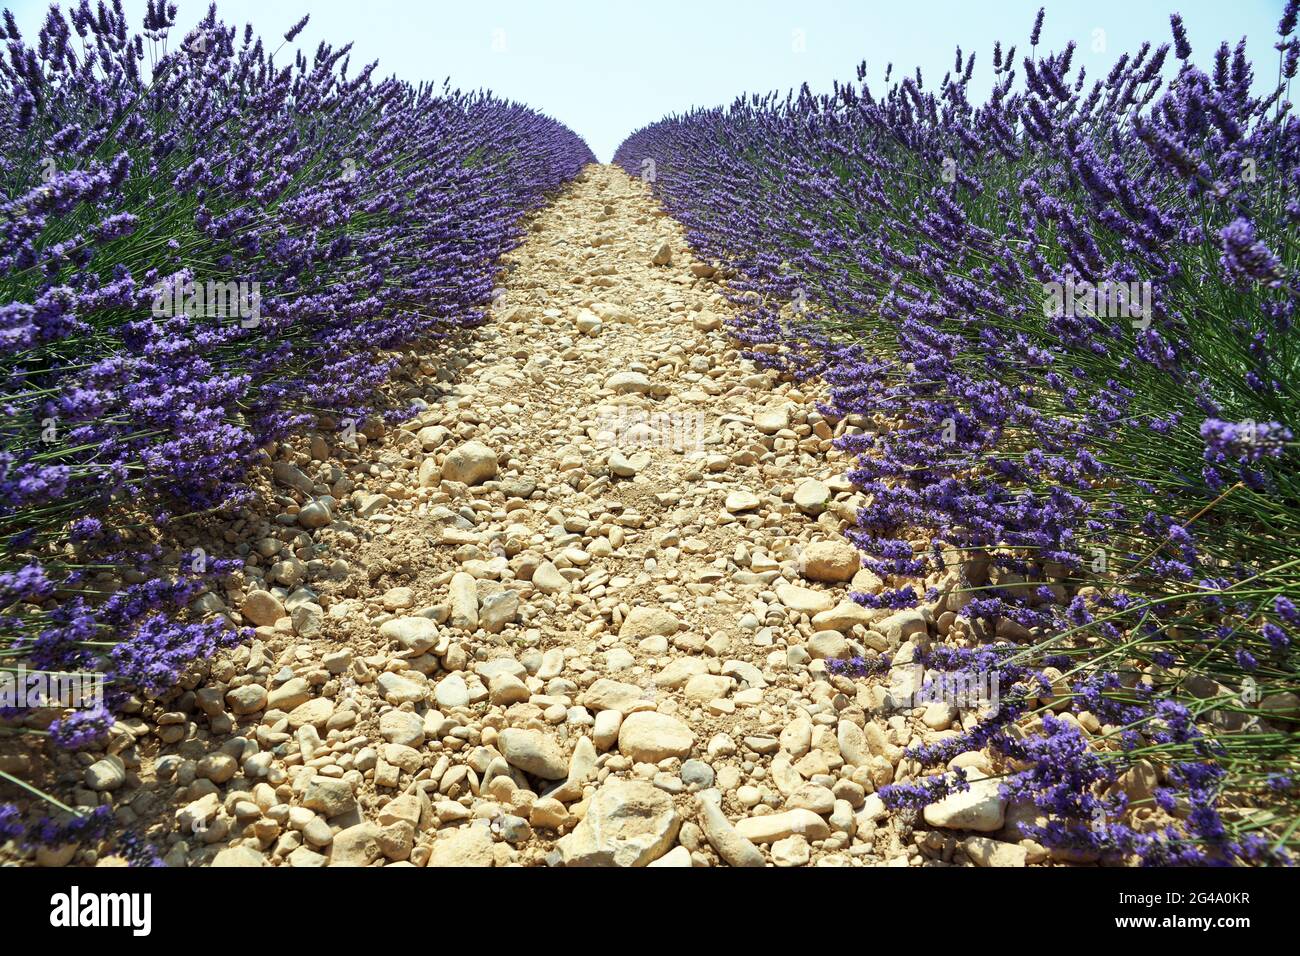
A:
[1112,492]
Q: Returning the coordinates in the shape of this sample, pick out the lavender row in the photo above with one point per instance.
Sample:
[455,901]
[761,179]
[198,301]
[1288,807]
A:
[202,250]
[1064,320]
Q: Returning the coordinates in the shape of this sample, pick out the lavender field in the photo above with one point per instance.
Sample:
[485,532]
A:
[882,475]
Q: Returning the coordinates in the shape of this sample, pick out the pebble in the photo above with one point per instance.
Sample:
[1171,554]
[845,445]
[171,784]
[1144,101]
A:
[356,845]
[730,845]
[646,621]
[451,691]
[498,610]
[777,826]
[830,561]
[978,808]
[811,496]
[548,580]
[463,846]
[650,737]
[106,774]
[804,600]
[315,514]
[533,752]
[985,852]
[415,634]
[238,856]
[739,501]
[329,797]
[464,601]
[470,464]
[627,823]
[398,689]
[262,608]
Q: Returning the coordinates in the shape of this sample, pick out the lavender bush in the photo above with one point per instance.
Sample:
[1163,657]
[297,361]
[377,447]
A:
[202,250]
[1064,319]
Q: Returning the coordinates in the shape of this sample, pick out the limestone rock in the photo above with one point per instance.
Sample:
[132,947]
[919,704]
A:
[628,823]
[471,463]
[805,600]
[830,561]
[647,621]
[533,752]
[734,849]
[650,736]
[262,608]
[415,634]
[778,826]
[463,846]
[979,808]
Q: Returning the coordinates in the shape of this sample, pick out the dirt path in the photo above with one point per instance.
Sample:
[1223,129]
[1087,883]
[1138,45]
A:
[575,612]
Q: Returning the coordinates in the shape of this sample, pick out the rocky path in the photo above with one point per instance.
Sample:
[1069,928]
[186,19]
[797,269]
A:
[576,612]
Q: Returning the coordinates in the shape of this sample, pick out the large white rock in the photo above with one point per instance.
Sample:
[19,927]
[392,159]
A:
[778,826]
[533,752]
[979,808]
[649,737]
[830,561]
[648,621]
[628,823]
[471,463]
[415,634]
[805,600]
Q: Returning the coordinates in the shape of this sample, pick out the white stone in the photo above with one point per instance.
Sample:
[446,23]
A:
[628,823]
[415,634]
[471,463]
[979,808]
[649,737]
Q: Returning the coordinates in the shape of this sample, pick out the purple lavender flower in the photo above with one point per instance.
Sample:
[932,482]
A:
[1245,257]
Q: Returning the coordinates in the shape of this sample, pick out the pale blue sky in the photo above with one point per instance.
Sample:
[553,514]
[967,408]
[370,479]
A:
[607,67]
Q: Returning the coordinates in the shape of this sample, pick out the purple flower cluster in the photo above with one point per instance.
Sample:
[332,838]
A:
[1062,321]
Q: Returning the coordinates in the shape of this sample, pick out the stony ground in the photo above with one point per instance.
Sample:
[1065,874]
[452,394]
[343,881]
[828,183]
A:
[576,612]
